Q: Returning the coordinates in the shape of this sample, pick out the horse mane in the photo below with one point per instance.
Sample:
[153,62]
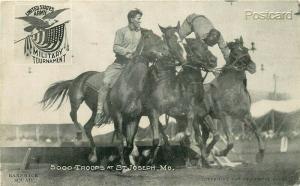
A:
[149,33]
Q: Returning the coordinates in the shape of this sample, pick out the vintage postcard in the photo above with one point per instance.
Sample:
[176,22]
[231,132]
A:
[150,92]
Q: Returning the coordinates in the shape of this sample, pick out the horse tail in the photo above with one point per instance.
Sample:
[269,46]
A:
[54,92]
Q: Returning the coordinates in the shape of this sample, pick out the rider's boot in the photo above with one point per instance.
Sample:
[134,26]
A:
[101,117]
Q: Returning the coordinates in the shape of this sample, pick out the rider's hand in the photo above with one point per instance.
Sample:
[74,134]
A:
[128,55]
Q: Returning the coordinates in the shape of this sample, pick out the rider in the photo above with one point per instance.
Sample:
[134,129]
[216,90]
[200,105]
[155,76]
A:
[205,31]
[125,44]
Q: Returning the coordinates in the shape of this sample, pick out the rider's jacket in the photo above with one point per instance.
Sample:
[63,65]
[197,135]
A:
[126,41]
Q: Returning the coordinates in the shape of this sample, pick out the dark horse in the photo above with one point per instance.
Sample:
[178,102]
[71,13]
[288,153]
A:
[124,104]
[179,95]
[125,100]
[227,97]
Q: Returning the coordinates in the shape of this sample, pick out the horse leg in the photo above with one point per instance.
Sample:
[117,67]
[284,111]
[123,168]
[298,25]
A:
[154,121]
[88,130]
[210,125]
[201,145]
[192,128]
[75,104]
[166,141]
[131,129]
[261,145]
[226,120]
[190,124]
[134,156]
[118,123]
[162,132]
[184,143]
[205,131]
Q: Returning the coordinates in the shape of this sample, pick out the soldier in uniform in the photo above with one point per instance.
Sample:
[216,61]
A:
[125,44]
[205,31]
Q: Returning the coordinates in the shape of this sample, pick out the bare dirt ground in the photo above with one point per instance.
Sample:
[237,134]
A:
[277,169]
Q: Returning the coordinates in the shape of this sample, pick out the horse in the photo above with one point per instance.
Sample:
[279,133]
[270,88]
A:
[227,98]
[151,47]
[179,95]
[127,99]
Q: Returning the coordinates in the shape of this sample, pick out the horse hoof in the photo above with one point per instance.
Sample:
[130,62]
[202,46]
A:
[150,162]
[199,164]
[180,136]
[124,143]
[112,158]
[167,148]
[146,153]
[78,136]
[131,160]
[77,142]
[217,153]
[92,158]
[188,133]
[155,142]
[188,165]
[205,164]
[125,170]
[259,157]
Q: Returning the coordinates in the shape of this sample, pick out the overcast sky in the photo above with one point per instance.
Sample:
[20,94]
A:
[93,26]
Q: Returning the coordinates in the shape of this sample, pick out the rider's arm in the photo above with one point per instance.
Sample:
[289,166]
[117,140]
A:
[224,48]
[118,43]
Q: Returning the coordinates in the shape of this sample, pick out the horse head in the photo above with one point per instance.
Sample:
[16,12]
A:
[174,42]
[239,58]
[152,46]
[199,55]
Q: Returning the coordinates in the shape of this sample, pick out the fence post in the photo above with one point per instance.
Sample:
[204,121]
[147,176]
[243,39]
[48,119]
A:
[37,133]
[58,134]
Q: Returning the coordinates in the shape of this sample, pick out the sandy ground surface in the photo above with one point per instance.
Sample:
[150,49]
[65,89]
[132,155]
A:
[277,169]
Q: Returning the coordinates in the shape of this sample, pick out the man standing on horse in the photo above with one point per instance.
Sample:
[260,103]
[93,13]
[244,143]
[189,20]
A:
[205,31]
[125,44]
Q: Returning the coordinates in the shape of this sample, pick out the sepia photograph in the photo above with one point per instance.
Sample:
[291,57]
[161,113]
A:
[149,92]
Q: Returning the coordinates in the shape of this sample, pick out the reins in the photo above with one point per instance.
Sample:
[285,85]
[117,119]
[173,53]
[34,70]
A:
[232,65]
[219,70]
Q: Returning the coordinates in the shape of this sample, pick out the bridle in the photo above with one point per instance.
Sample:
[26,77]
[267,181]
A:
[229,66]
[232,65]
[201,66]
[181,41]
[141,48]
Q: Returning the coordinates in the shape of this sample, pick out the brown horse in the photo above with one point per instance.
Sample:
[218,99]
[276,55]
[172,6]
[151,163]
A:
[128,99]
[227,97]
[125,99]
[132,80]
[179,95]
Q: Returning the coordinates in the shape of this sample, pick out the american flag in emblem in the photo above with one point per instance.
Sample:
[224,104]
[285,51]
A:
[48,40]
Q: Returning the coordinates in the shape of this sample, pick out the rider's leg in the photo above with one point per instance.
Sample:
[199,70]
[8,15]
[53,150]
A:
[111,74]
[101,98]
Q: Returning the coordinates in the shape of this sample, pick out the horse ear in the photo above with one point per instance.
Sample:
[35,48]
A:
[230,45]
[241,40]
[178,25]
[162,29]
